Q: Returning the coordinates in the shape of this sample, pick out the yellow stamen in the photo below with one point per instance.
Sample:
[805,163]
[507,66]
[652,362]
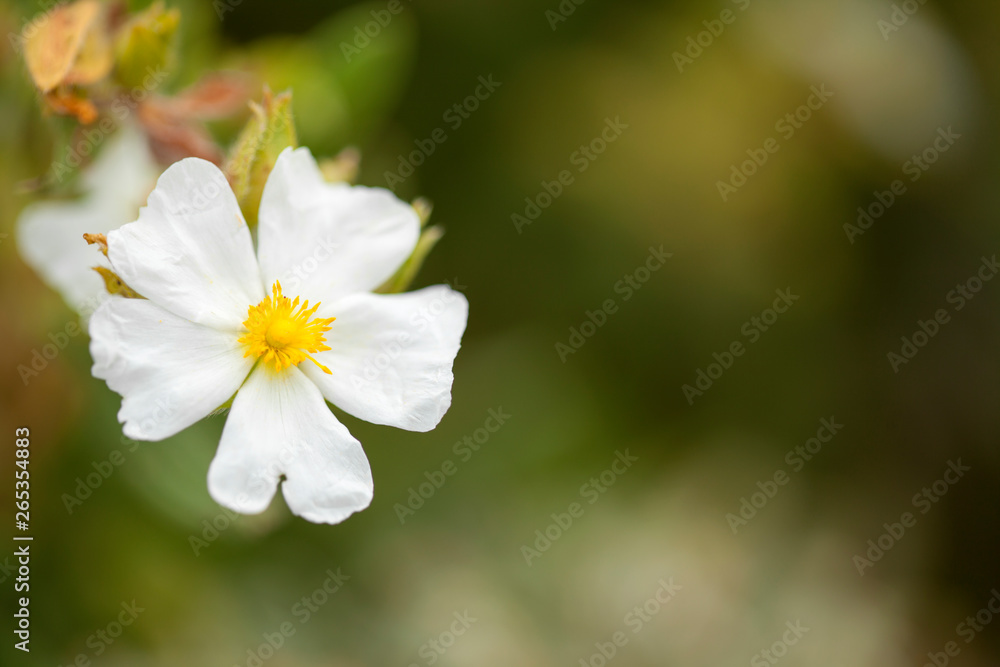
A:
[282,333]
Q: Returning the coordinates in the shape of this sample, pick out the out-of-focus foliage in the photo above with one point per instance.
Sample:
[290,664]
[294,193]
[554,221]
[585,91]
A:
[146,43]
[214,585]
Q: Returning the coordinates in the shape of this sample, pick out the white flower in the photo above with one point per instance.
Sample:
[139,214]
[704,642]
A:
[50,233]
[217,323]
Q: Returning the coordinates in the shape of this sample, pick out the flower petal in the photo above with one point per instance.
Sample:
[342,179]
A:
[169,372]
[190,251]
[391,355]
[124,173]
[279,424]
[50,233]
[50,238]
[325,240]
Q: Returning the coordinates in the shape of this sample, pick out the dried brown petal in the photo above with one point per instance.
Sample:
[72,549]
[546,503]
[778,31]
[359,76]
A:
[69,104]
[215,95]
[58,39]
[173,139]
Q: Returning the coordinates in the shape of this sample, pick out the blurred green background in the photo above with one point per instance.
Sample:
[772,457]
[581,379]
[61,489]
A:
[463,550]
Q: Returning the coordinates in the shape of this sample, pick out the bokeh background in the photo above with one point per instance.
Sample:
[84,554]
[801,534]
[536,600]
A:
[665,518]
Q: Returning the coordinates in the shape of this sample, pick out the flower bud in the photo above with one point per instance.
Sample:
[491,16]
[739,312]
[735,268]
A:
[269,131]
[146,44]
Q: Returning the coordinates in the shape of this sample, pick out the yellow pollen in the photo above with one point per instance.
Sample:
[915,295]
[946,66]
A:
[282,333]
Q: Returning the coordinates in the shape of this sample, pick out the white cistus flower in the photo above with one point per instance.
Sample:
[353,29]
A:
[50,233]
[216,325]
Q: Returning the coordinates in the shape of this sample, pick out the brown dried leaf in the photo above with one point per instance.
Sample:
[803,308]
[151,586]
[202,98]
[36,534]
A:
[172,138]
[68,104]
[57,41]
[343,168]
[216,95]
[94,61]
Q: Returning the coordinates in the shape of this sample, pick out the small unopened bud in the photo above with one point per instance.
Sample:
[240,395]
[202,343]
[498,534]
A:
[423,207]
[343,168]
[269,131]
[408,271]
[146,44]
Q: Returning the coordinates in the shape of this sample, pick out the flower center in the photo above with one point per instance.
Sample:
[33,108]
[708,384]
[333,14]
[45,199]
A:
[282,333]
